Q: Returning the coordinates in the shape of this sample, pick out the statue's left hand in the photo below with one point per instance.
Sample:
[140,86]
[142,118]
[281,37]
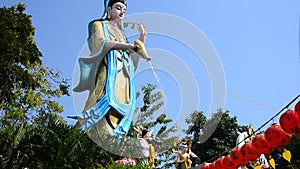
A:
[142,29]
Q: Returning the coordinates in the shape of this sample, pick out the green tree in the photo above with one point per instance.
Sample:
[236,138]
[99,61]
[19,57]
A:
[32,134]
[223,138]
[148,116]
[27,87]
[48,143]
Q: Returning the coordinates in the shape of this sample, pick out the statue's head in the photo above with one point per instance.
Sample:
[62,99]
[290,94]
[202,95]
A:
[147,133]
[144,132]
[250,129]
[110,3]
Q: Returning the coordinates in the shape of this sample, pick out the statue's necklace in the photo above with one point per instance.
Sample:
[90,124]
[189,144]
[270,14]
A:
[117,32]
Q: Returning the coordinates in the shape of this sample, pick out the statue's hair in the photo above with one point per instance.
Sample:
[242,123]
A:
[112,2]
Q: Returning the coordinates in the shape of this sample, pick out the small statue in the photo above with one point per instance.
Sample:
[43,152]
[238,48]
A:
[183,159]
[147,150]
[245,137]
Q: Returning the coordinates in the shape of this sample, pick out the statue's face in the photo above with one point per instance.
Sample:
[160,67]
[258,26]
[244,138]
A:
[250,130]
[117,11]
[147,135]
[184,149]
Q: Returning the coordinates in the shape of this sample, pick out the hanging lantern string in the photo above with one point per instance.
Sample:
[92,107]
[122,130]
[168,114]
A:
[271,119]
[277,114]
[286,107]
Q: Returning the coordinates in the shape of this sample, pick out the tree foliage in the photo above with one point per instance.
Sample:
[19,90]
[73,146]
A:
[147,116]
[27,87]
[47,143]
[223,138]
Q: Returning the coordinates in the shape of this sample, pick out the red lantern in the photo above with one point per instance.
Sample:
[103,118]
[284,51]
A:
[261,145]
[237,158]
[297,111]
[297,108]
[286,139]
[227,163]
[276,136]
[211,165]
[219,163]
[208,166]
[249,152]
[289,122]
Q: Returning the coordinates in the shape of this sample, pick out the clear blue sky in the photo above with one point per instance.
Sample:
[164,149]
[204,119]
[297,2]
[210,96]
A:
[257,43]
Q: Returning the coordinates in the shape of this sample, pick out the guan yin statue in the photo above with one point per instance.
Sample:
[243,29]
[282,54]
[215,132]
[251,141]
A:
[108,72]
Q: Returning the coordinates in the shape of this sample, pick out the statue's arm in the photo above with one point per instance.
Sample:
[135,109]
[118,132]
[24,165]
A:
[109,44]
[101,45]
[97,38]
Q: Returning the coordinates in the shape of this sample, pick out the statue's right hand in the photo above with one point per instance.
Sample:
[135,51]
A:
[132,48]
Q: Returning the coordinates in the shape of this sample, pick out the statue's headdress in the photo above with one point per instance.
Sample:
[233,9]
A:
[184,143]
